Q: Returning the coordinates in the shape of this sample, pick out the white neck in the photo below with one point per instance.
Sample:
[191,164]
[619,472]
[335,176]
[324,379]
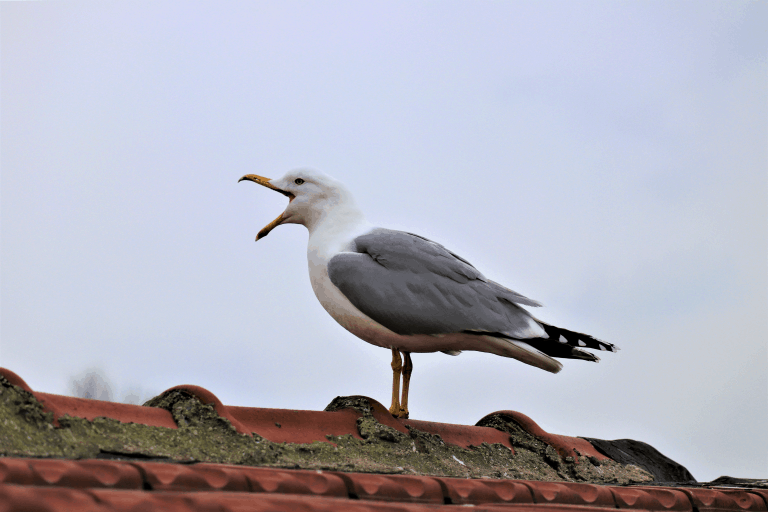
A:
[335,229]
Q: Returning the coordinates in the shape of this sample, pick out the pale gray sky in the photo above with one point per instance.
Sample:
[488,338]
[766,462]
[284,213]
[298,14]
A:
[605,158]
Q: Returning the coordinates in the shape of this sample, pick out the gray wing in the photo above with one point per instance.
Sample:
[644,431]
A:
[412,285]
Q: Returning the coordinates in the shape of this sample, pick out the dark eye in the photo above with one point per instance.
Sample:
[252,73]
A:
[298,181]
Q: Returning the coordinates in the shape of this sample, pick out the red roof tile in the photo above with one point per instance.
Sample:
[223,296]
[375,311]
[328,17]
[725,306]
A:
[461,435]
[474,492]
[566,446]
[34,484]
[297,481]
[115,485]
[293,426]
[725,499]
[651,499]
[91,409]
[19,498]
[409,489]
[571,494]
[70,473]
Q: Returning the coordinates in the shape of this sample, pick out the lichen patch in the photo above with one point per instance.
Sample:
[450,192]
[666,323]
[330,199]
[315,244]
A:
[204,436]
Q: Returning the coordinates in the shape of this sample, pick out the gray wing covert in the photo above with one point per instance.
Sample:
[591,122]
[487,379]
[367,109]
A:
[412,285]
[501,291]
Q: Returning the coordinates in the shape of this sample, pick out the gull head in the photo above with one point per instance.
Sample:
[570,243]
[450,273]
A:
[312,197]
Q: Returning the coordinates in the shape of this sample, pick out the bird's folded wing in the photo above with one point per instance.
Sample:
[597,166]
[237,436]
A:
[412,285]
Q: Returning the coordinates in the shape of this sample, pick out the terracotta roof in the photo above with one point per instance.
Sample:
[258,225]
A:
[115,485]
[40,484]
[295,426]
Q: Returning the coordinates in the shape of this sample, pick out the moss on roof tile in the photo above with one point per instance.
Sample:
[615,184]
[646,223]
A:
[204,436]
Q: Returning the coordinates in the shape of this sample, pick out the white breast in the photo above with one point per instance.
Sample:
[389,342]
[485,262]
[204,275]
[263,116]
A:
[347,315]
[323,245]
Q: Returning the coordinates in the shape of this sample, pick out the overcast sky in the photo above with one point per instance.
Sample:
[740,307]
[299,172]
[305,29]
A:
[605,158]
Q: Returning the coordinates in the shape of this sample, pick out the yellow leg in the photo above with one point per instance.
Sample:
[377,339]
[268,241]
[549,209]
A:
[407,370]
[397,366]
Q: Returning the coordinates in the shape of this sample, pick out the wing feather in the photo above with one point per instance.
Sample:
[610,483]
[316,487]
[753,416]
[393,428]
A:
[412,285]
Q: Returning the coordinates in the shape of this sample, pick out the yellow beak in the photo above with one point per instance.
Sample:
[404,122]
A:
[261,180]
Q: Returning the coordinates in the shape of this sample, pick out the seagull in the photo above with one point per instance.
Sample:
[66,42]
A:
[404,292]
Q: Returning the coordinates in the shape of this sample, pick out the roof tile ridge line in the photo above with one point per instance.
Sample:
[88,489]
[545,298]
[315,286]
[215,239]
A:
[208,398]
[48,406]
[554,440]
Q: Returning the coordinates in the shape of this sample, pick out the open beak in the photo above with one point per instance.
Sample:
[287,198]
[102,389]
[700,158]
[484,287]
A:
[261,180]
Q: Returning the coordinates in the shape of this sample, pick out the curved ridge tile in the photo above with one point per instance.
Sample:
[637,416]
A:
[383,416]
[208,398]
[15,379]
[366,406]
[91,409]
[566,446]
[300,427]
[296,426]
[462,435]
